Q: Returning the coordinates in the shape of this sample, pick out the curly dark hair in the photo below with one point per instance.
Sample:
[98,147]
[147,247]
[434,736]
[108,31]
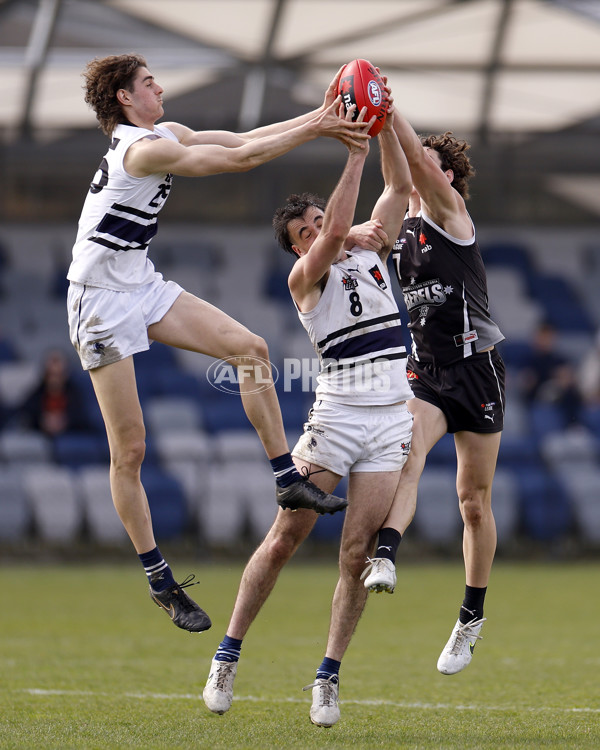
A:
[296,205]
[453,155]
[103,78]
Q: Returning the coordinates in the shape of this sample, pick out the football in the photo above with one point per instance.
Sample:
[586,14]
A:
[361,84]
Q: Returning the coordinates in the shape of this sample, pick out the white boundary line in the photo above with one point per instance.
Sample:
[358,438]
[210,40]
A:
[256,699]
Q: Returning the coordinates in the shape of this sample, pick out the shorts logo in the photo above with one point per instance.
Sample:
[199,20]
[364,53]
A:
[99,347]
[312,443]
[411,375]
[489,407]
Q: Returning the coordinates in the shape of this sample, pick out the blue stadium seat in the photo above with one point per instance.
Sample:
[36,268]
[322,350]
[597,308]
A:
[158,355]
[77,449]
[508,254]
[546,511]
[562,307]
[519,450]
[167,503]
[546,418]
[224,412]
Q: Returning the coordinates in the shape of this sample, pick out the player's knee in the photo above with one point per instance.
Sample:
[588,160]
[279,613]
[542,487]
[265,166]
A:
[472,508]
[353,557]
[257,347]
[129,455]
[282,547]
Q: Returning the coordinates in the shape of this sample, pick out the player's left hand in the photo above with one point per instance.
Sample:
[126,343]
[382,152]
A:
[369,235]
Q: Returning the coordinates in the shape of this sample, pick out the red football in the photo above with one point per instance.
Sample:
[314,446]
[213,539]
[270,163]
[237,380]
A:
[361,84]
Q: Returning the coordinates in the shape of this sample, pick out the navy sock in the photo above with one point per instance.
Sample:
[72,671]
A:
[159,573]
[328,668]
[229,649]
[285,471]
[472,606]
[388,542]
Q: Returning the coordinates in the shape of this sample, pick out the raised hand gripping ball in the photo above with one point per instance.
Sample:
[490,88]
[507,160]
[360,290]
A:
[361,84]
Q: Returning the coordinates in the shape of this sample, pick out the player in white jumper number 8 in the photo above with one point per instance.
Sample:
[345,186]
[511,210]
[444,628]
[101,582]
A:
[359,425]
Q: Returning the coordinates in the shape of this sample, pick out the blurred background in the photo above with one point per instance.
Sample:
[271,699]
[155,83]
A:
[518,79]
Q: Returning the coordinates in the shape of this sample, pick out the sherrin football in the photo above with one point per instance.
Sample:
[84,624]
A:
[361,84]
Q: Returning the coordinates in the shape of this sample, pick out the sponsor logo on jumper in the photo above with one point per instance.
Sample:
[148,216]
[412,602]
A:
[349,283]
[378,276]
[467,337]
[410,231]
[425,293]
[425,246]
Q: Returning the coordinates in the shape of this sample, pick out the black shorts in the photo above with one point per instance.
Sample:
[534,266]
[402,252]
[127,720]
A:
[470,393]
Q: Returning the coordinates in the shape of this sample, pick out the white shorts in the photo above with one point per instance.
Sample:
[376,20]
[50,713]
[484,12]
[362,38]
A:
[106,326]
[347,439]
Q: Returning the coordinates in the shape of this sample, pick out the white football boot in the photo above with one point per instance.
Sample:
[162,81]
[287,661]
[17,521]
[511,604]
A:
[458,652]
[380,575]
[218,693]
[324,711]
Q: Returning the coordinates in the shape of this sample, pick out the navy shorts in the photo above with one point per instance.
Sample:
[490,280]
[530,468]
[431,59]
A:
[470,393]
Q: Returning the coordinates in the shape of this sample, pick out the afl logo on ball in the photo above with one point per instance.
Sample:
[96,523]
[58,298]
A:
[374,91]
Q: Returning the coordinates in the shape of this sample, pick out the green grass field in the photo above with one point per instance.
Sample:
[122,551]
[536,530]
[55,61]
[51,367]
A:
[87,661]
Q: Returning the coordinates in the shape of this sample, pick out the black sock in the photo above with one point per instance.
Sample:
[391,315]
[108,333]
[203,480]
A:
[387,544]
[472,606]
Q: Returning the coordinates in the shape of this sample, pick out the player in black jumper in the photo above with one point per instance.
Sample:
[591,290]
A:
[456,373]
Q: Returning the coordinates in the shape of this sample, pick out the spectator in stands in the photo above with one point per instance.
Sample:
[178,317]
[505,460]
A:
[56,404]
[118,303]
[548,377]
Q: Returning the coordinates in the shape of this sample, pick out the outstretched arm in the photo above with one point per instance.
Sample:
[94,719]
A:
[311,268]
[161,155]
[189,137]
[440,201]
[392,203]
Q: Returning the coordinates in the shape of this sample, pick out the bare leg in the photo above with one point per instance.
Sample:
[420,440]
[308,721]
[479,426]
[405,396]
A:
[477,455]
[196,325]
[117,396]
[261,573]
[370,497]
[428,427]
[282,540]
